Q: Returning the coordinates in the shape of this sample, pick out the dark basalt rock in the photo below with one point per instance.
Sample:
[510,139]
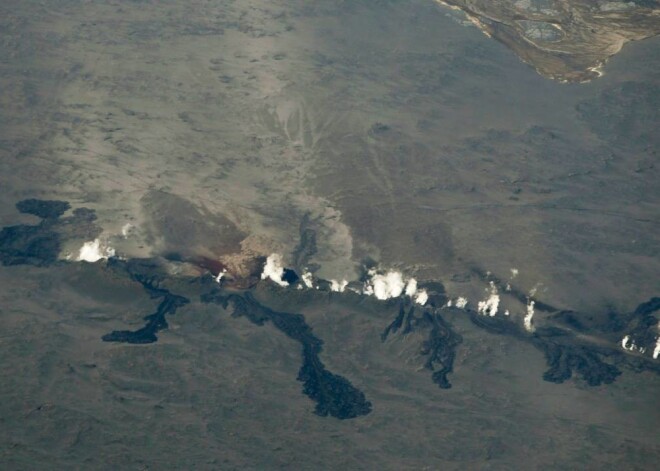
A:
[564,353]
[334,395]
[323,285]
[440,347]
[434,287]
[513,291]
[409,321]
[642,328]
[45,209]
[36,245]
[40,244]
[437,301]
[147,273]
[436,293]
[177,257]
[570,319]
[290,276]
[639,364]
[495,325]
[649,307]
[567,354]
[365,266]
[396,324]
[564,360]
[155,323]
[611,322]
[80,225]
[614,323]
[29,245]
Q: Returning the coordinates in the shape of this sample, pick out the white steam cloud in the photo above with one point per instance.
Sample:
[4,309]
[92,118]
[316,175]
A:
[460,302]
[489,306]
[421,297]
[308,279]
[628,344]
[389,285]
[221,275]
[95,250]
[411,287]
[274,270]
[529,327]
[392,285]
[127,229]
[338,286]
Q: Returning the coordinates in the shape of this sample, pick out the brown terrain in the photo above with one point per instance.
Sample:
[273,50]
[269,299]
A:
[567,40]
